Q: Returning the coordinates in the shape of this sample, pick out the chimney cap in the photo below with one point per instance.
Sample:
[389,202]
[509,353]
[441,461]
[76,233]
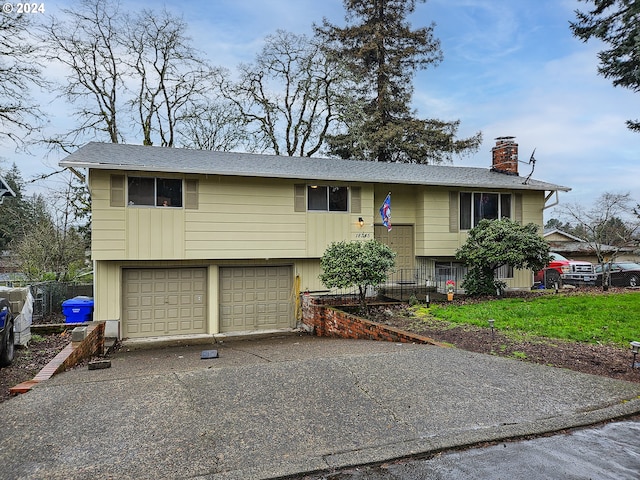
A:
[504,138]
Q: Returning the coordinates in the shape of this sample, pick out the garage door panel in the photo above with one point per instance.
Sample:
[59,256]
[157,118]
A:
[161,302]
[132,302]
[173,327]
[258,298]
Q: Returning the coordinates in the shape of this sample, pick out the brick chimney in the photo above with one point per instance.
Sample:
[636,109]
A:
[505,156]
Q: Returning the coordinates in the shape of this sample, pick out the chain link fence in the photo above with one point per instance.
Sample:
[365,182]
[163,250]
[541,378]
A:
[48,296]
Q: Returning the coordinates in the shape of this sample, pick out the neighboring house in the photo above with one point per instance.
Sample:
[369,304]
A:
[201,242]
[576,248]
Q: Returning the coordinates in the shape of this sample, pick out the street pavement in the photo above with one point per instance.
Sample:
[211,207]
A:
[605,452]
[289,406]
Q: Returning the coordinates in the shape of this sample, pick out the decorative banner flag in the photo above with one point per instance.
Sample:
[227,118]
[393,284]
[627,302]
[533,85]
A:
[385,212]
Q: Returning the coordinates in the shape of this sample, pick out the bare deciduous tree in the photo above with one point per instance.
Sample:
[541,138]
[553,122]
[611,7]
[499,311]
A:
[594,225]
[86,41]
[169,73]
[288,97]
[212,125]
[20,73]
[125,68]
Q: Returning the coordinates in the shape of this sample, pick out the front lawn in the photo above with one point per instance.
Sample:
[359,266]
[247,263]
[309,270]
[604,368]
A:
[612,318]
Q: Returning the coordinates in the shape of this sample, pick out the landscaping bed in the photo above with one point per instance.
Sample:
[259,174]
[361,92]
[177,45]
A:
[30,360]
[593,358]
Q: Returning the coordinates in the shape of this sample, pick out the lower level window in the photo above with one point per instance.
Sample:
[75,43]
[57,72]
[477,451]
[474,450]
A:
[505,271]
[149,191]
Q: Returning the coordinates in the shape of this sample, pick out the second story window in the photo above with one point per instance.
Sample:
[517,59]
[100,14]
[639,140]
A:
[159,192]
[323,198]
[478,206]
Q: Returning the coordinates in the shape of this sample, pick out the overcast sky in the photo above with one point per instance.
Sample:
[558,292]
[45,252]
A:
[511,68]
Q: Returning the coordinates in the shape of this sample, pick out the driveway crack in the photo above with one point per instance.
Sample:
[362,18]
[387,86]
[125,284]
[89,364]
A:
[375,399]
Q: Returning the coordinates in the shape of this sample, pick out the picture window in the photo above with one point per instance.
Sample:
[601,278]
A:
[476,206]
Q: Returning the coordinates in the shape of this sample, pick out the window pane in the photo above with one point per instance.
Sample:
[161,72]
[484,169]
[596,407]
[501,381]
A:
[485,206]
[465,211]
[141,191]
[505,205]
[505,271]
[169,192]
[317,198]
[338,199]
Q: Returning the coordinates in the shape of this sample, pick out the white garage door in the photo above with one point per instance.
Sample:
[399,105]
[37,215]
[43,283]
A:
[158,301]
[255,298]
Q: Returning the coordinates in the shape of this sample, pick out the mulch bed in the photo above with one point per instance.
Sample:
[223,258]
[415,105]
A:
[605,360]
[30,360]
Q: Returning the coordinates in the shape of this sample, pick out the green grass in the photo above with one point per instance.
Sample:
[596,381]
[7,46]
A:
[609,319]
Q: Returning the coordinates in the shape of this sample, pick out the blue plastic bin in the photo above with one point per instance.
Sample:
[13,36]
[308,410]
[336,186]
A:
[78,309]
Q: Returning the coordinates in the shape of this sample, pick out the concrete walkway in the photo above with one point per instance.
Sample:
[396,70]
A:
[283,406]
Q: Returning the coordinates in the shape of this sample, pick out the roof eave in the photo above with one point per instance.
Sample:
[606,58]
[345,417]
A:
[155,168]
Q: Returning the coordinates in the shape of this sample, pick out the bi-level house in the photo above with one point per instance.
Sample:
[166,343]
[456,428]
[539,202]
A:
[191,242]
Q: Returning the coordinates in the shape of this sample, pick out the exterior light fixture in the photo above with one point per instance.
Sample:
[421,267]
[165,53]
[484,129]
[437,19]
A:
[428,300]
[360,222]
[635,348]
[491,322]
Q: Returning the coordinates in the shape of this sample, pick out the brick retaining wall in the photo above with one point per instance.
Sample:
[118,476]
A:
[319,313]
[91,345]
[71,355]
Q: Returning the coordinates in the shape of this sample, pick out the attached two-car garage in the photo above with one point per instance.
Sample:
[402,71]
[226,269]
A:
[175,301]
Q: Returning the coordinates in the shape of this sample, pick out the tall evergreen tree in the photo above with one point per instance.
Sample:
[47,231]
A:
[617,24]
[384,52]
[12,210]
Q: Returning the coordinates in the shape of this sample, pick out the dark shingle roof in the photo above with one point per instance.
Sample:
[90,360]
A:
[109,156]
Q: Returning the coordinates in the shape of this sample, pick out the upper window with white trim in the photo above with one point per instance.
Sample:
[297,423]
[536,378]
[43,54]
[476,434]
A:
[476,206]
[327,198]
[150,191]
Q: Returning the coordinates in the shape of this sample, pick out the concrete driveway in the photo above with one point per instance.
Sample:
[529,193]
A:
[287,405]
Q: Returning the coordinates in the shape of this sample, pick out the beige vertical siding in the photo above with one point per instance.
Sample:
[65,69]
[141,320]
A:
[533,208]
[108,224]
[434,238]
[107,291]
[158,233]
[309,270]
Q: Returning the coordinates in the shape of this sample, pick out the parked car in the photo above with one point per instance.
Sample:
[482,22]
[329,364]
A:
[623,274]
[7,348]
[563,271]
